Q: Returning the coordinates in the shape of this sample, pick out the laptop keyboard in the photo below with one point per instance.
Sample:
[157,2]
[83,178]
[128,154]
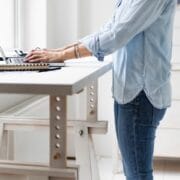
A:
[15,60]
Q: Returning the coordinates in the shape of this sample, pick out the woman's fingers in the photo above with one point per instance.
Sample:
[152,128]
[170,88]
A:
[43,55]
[36,56]
[38,60]
[30,53]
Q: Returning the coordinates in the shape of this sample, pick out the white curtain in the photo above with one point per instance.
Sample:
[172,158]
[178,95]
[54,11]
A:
[8,40]
[7,23]
[32,24]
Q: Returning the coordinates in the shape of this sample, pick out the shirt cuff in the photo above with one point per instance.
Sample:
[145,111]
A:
[92,43]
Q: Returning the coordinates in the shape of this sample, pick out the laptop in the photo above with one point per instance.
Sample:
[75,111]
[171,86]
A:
[16,62]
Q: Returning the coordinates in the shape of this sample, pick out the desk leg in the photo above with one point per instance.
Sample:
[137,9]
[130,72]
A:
[84,147]
[58,126]
[92,116]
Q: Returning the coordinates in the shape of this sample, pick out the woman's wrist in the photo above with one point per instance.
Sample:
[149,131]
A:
[67,53]
[61,56]
[73,51]
[56,57]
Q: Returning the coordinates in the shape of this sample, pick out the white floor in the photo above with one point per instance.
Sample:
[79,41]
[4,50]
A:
[164,170]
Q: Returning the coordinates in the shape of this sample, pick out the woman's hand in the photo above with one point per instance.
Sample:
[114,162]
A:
[44,55]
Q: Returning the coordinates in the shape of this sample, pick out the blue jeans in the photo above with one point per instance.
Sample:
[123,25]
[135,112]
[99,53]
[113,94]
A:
[136,123]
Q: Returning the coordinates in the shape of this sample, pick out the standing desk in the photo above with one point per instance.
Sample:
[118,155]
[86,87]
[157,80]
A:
[71,79]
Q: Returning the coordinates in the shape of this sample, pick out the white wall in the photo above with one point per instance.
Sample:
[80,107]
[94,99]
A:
[7,10]
[32,24]
[61,22]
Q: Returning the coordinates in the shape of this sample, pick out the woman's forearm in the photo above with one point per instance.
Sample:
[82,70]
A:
[74,51]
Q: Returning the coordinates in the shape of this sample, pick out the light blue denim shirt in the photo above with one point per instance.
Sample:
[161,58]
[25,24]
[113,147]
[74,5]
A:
[140,37]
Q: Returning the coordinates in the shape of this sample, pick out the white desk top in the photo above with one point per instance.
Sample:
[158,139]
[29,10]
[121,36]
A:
[69,80]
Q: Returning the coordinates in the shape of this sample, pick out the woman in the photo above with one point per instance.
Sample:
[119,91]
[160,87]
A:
[140,37]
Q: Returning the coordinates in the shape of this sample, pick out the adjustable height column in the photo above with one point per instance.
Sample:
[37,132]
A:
[92,101]
[92,116]
[58,126]
[85,152]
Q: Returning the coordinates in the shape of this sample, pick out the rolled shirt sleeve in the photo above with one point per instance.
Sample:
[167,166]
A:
[92,42]
[139,15]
